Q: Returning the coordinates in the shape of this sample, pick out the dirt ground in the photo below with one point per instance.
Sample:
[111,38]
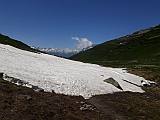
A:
[21,103]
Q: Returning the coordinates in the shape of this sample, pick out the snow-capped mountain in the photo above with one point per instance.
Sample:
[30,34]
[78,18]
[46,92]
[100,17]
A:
[66,76]
[65,52]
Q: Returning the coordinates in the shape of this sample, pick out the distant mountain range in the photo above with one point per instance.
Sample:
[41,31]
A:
[65,52]
[62,52]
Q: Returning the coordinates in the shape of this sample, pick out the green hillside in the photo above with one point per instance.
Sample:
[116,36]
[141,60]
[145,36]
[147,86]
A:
[15,43]
[140,48]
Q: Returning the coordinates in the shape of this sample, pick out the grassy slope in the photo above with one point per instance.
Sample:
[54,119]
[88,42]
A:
[143,49]
[15,43]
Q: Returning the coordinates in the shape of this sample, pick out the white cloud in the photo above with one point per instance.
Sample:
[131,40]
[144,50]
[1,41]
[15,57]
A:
[82,42]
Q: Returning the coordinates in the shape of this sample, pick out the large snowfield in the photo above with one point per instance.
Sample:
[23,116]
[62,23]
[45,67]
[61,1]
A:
[62,75]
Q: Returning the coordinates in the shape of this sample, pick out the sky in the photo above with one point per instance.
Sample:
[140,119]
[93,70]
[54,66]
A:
[56,23]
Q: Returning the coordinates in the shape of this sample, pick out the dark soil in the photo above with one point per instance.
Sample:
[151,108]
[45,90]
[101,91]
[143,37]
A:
[21,103]
[128,106]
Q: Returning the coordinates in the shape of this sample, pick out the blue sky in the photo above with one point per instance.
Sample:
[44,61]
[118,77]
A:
[53,23]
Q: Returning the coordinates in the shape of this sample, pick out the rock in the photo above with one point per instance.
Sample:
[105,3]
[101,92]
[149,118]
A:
[1,75]
[113,82]
[148,84]
[27,97]
[87,107]
[37,89]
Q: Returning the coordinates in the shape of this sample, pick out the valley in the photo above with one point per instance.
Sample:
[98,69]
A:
[105,83]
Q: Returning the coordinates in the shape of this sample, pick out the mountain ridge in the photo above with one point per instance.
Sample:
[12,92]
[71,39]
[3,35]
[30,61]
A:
[138,48]
[16,43]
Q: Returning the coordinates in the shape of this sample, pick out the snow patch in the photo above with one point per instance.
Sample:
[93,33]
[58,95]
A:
[62,75]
